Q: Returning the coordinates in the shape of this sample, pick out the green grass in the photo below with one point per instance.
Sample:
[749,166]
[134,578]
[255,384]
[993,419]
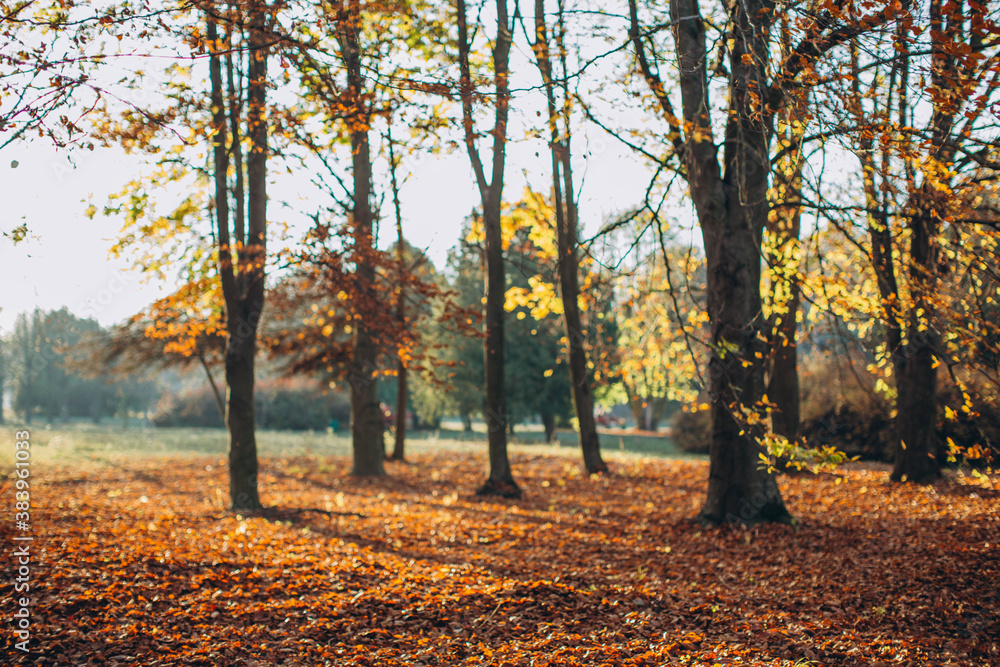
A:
[109,442]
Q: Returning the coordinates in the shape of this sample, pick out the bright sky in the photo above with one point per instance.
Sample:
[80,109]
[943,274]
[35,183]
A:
[64,261]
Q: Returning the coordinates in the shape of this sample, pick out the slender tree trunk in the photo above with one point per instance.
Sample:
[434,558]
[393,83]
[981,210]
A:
[568,260]
[501,479]
[367,424]
[549,424]
[399,446]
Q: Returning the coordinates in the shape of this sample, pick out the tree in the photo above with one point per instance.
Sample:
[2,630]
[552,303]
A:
[242,281]
[43,351]
[501,479]
[661,318]
[730,196]
[924,156]
[454,379]
[536,363]
[566,232]
[176,332]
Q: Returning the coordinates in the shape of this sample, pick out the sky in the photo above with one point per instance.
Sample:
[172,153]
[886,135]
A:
[64,261]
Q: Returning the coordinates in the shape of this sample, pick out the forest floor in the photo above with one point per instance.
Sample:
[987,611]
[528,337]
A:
[136,561]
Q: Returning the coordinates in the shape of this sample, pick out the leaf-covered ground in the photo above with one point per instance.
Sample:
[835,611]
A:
[139,564]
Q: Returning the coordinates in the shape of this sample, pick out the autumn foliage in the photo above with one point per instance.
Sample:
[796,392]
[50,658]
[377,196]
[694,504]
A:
[140,564]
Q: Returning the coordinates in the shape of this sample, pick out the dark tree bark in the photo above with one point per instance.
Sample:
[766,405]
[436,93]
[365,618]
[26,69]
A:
[566,241]
[501,479]
[731,203]
[243,290]
[911,338]
[549,424]
[367,425]
[399,446]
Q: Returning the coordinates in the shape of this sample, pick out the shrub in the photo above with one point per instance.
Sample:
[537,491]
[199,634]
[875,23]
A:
[299,406]
[196,408]
[692,431]
[862,429]
[293,405]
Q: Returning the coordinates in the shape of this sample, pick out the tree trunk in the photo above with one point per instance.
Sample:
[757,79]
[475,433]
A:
[916,414]
[240,411]
[501,479]
[367,422]
[732,212]
[910,336]
[739,490]
[549,423]
[243,291]
[916,385]
[399,446]
[568,263]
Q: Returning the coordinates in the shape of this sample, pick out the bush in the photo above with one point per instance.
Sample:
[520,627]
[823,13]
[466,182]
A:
[299,406]
[692,431]
[292,405]
[195,408]
[966,431]
[861,429]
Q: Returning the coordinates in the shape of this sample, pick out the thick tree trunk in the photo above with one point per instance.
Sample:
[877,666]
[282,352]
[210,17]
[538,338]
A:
[240,411]
[732,213]
[916,414]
